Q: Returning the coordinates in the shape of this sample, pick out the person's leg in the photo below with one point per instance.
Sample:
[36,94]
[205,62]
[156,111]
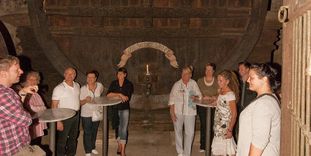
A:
[94,133]
[189,134]
[61,140]
[124,119]
[178,128]
[87,134]
[236,129]
[118,140]
[73,135]
[202,117]
[36,141]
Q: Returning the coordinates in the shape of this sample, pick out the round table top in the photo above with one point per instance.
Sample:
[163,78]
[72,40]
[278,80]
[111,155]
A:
[203,103]
[105,101]
[55,114]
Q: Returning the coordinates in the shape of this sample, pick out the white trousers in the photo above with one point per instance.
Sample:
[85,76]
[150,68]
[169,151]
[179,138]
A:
[189,122]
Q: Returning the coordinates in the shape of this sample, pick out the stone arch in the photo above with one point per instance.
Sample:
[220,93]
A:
[127,53]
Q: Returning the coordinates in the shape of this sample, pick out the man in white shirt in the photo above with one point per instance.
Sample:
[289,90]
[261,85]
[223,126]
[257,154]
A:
[67,95]
[183,111]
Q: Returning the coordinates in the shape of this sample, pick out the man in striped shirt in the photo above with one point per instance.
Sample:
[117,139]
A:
[14,120]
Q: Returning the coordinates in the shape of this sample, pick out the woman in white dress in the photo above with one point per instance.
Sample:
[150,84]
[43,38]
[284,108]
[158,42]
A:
[225,114]
[260,121]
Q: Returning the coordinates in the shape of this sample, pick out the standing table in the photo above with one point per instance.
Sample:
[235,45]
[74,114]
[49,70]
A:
[104,101]
[51,116]
[208,106]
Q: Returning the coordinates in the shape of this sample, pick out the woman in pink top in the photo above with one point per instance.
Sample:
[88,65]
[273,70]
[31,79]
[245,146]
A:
[34,103]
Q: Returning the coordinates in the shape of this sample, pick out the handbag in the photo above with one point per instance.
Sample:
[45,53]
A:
[97,115]
[33,150]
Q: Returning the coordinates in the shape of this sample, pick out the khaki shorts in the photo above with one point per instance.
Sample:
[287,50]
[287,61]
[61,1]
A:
[29,150]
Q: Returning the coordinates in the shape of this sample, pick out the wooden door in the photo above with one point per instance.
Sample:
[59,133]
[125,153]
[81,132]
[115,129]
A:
[296,87]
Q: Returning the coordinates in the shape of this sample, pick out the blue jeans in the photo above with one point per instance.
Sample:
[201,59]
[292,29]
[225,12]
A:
[123,125]
[90,133]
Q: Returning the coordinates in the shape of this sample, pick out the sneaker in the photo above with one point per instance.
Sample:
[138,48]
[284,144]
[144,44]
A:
[202,151]
[88,154]
[94,151]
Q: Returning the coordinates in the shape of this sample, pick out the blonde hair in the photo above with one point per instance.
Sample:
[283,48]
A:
[233,82]
[188,69]
[7,62]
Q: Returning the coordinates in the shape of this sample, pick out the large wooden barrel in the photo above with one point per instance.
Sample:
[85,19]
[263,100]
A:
[93,34]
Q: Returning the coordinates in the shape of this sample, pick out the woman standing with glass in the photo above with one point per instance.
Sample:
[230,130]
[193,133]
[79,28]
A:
[34,103]
[122,88]
[88,111]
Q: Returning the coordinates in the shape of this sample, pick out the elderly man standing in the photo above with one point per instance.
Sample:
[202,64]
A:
[14,120]
[183,110]
[66,95]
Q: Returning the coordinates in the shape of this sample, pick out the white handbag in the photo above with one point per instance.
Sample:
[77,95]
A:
[97,115]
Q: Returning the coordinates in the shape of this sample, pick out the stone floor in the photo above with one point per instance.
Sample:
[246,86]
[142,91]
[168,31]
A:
[144,143]
[150,134]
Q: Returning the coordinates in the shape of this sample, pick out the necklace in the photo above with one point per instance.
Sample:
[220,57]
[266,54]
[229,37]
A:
[208,83]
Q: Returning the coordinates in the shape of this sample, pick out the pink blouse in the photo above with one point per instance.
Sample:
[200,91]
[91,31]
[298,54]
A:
[36,104]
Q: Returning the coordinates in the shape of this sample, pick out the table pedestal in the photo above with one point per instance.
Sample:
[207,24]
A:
[104,102]
[207,104]
[208,132]
[105,132]
[52,137]
[52,116]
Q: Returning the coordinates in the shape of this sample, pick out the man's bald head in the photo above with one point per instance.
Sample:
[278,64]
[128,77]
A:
[69,74]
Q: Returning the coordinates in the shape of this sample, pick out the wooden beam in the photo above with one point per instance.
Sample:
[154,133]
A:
[140,12]
[141,32]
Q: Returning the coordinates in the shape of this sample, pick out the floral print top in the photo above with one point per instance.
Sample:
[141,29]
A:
[223,114]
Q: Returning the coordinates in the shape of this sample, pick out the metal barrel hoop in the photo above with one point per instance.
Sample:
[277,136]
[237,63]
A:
[283,14]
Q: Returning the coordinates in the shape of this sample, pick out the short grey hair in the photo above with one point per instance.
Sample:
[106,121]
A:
[7,62]
[34,74]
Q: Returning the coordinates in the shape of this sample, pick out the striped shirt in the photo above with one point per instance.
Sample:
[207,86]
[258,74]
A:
[14,123]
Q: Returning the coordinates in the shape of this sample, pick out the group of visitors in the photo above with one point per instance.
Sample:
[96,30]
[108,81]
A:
[247,110]
[20,131]
[68,94]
